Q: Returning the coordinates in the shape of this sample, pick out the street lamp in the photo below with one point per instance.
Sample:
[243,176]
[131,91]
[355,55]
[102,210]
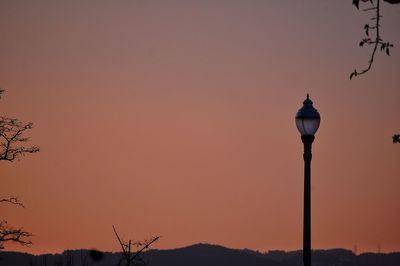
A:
[307,122]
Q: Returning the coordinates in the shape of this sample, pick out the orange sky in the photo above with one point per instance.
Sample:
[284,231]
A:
[176,118]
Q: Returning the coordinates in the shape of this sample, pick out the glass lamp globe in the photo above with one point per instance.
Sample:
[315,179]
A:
[307,118]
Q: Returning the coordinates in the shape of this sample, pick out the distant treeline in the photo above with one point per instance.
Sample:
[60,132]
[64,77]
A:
[204,255]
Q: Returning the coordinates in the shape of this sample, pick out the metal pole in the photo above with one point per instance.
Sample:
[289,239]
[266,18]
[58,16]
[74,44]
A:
[307,141]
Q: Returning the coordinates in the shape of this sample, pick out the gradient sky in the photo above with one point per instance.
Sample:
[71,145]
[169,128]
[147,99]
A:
[176,118]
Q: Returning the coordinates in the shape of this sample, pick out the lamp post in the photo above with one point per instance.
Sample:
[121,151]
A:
[307,122]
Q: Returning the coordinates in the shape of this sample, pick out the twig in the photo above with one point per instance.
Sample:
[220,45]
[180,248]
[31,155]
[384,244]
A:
[377,41]
[13,200]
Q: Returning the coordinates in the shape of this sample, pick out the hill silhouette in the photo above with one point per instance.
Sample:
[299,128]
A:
[208,255]
[205,254]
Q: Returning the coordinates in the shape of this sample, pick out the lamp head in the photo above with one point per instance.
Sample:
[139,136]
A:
[307,118]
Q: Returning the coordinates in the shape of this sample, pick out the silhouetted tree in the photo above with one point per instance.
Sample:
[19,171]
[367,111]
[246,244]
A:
[59,261]
[96,255]
[84,259]
[12,138]
[69,258]
[11,234]
[132,257]
[43,260]
[377,40]
[32,262]
[12,147]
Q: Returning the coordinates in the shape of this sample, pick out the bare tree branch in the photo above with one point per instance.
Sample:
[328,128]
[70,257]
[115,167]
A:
[145,246]
[12,146]
[12,200]
[132,258]
[392,1]
[121,244]
[376,41]
[8,233]
[12,140]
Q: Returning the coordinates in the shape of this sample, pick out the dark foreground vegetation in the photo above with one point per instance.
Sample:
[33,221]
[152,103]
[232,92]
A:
[204,255]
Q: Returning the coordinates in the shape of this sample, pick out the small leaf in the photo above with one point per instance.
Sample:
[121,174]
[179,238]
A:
[383,46]
[387,51]
[355,2]
[366,28]
[361,43]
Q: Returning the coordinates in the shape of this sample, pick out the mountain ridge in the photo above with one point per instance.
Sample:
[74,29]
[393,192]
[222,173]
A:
[206,254]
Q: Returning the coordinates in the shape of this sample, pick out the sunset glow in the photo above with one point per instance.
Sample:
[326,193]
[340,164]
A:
[176,118]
